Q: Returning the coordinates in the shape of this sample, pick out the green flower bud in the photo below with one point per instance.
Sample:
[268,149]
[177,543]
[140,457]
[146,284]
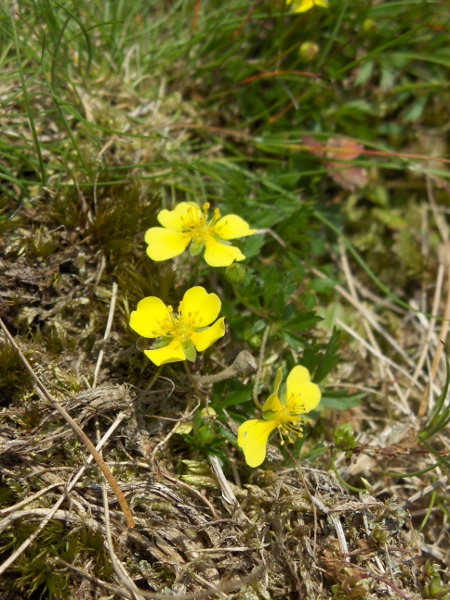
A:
[236,273]
[369,26]
[205,435]
[308,51]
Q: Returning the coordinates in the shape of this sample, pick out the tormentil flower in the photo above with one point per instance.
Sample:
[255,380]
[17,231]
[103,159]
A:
[298,397]
[304,5]
[182,333]
[187,223]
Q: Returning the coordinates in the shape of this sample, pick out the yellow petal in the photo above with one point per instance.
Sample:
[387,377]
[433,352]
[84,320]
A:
[304,5]
[278,378]
[164,244]
[301,5]
[181,217]
[198,308]
[232,226]
[151,318]
[173,352]
[273,403]
[303,395]
[221,255]
[252,438]
[204,339]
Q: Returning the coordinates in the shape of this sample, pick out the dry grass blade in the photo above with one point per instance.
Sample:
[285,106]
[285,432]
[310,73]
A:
[101,354]
[376,352]
[77,429]
[119,569]
[48,514]
[228,587]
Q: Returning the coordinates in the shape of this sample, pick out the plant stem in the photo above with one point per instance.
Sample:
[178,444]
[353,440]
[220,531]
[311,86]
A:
[259,371]
[194,383]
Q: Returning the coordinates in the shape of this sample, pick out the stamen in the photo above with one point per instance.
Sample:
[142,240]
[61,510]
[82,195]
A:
[215,218]
[297,429]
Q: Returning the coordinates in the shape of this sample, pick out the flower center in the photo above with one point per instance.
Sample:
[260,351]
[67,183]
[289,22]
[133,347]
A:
[181,330]
[197,225]
[181,326]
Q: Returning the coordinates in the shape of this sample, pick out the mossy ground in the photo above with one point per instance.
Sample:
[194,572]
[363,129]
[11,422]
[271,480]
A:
[337,154]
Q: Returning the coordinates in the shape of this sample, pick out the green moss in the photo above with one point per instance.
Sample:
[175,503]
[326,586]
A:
[36,574]
[15,381]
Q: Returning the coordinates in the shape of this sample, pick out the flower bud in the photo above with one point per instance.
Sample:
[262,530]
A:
[205,435]
[236,273]
[369,26]
[308,51]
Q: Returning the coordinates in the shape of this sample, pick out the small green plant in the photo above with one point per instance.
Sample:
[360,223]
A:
[181,334]
[433,586]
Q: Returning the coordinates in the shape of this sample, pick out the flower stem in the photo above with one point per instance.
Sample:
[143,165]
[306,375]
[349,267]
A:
[196,268]
[150,385]
[259,371]
[194,383]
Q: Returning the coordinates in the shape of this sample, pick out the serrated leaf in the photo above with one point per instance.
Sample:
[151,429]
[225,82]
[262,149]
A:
[292,341]
[302,321]
[252,245]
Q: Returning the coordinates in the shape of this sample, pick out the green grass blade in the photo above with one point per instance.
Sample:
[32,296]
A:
[27,104]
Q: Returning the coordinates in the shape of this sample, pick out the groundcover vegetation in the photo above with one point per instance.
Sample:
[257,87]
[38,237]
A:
[225,299]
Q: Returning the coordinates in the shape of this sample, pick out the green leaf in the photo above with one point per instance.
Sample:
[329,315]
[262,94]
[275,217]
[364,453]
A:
[252,245]
[365,72]
[292,341]
[329,359]
[390,218]
[302,322]
[415,111]
[239,396]
[440,417]
[323,286]
[340,400]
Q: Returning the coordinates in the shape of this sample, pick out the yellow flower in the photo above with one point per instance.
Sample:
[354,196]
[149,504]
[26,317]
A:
[182,333]
[304,5]
[187,223]
[298,397]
